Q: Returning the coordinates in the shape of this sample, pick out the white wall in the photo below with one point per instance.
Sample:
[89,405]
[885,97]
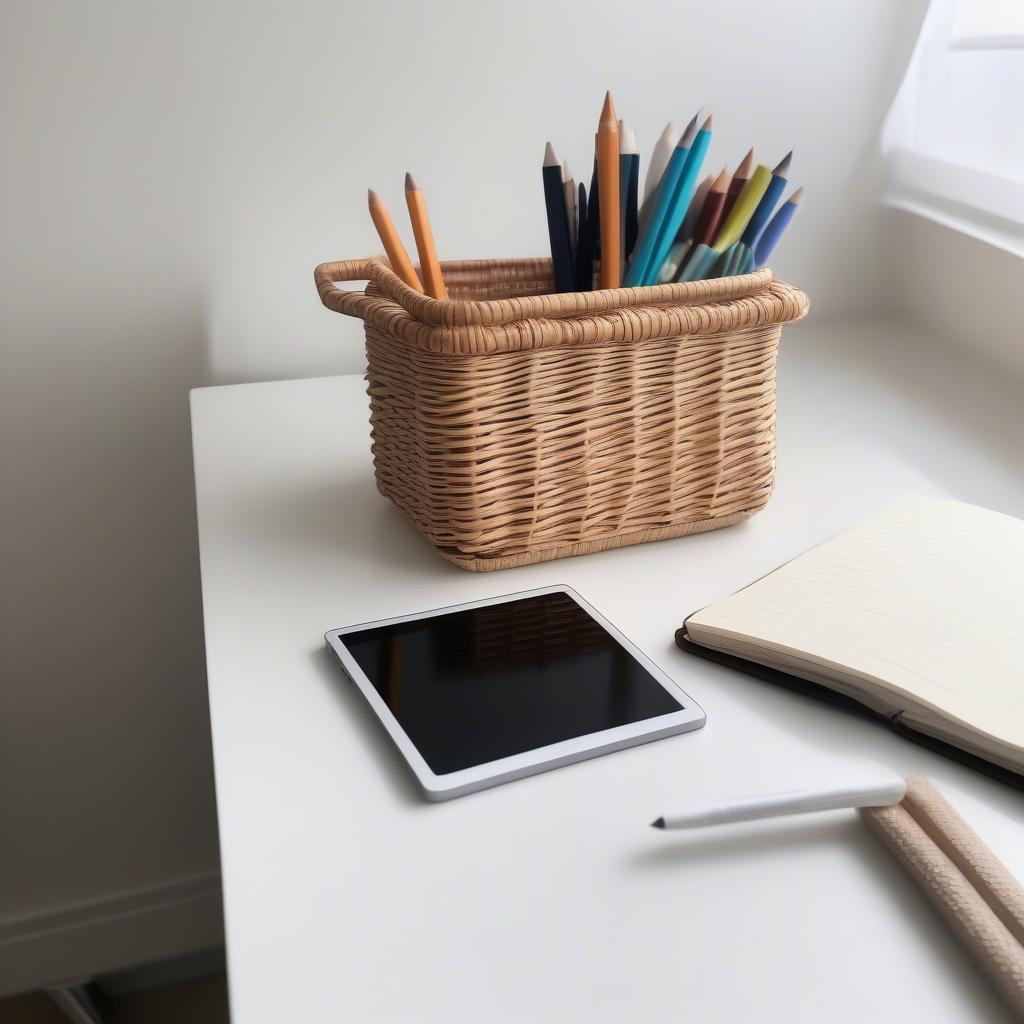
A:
[962,291]
[172,173]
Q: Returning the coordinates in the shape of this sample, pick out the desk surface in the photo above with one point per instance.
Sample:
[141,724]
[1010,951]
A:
[349,898]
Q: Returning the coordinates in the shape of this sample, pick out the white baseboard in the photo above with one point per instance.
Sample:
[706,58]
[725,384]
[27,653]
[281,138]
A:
[83,940]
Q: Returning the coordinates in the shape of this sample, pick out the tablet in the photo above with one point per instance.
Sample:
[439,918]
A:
[483,693]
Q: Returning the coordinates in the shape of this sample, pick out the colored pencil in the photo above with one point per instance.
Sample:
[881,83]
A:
[582,246]
[651,228]
[397,256]
[739,180]
[608,177]
[680,200]
[743,209]
[673,261]
[660,156]
[766,207]
[569,185]
[594,204]
[558,222]
[711,214]
[694,211]
[433,282]
[775,227]
[629,182]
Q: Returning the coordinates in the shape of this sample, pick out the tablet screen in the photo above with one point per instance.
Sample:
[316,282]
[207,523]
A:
[478,684]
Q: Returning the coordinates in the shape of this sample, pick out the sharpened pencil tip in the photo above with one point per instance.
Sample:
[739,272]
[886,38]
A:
[782,169]
[743,171]
[550,159]
[795,197]
[371,196]
[709,123]
[608,111]
[410,183]
[658,823]
[686,139]
[721,183]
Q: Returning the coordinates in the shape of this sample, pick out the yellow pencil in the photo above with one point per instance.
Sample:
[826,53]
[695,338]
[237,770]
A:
[400,262]
[433,282]
[743,209]
[608,195]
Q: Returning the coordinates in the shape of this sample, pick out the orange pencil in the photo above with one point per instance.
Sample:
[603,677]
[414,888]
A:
[608,195]
[433,282]
[400,262]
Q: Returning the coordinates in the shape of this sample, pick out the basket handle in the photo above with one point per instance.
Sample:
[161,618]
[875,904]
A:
[380,310]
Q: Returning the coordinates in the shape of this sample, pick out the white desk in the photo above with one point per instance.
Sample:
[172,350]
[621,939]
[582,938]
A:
[348,898]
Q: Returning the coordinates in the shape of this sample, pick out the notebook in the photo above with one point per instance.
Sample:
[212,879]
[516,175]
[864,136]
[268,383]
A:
[916,613]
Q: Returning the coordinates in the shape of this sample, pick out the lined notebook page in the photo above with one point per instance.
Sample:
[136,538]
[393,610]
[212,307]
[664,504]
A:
[924,601]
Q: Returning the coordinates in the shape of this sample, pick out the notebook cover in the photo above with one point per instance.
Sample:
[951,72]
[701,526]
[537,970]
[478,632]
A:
[823,693]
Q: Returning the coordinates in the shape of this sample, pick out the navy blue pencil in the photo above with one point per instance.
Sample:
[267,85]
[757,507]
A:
[583,259]
[629,184]
[558,223]
[593,229]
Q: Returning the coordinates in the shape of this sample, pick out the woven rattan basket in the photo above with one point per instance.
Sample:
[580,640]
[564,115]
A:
[513,425]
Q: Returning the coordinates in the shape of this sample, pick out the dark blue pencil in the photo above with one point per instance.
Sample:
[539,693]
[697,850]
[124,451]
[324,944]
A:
[583,249]
[629,185]
[558,223]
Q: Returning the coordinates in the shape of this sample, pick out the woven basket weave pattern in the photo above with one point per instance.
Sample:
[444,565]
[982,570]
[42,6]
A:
[560,432]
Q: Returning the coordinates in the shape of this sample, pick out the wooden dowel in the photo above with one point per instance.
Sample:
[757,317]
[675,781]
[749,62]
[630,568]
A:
[1000,955]
[962,845]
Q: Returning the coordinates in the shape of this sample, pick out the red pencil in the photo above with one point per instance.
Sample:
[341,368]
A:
[711,215]
[739,179]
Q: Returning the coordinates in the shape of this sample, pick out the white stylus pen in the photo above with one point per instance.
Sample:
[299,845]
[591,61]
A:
[798,801]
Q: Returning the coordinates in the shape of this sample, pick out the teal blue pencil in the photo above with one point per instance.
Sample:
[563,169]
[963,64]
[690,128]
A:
[680,202]
[644,250]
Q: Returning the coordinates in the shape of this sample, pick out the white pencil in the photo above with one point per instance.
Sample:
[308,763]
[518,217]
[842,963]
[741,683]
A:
[801,801]
[663,148]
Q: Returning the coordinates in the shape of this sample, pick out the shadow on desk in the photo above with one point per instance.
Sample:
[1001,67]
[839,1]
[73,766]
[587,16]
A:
[751,841]
[380,750]
[345,516]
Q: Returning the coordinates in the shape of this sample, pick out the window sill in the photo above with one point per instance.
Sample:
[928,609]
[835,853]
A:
[973,202]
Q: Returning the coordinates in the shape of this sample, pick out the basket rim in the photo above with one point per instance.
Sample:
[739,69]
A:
[493,312]
[479,327]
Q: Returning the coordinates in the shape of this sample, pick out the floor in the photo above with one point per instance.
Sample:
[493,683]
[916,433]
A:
[196,1001]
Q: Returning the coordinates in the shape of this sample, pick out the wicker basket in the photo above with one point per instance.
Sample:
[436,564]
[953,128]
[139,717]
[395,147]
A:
[513,425]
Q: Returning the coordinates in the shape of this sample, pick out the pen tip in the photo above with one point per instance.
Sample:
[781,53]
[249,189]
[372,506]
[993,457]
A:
[410,183]
[658,823]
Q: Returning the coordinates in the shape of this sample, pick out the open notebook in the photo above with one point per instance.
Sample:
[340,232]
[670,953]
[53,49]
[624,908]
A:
[917,613]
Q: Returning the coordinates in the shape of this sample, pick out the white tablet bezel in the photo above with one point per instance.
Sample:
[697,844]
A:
[493,773]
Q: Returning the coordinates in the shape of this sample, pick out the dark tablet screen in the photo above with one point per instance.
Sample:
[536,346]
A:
[479,684]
